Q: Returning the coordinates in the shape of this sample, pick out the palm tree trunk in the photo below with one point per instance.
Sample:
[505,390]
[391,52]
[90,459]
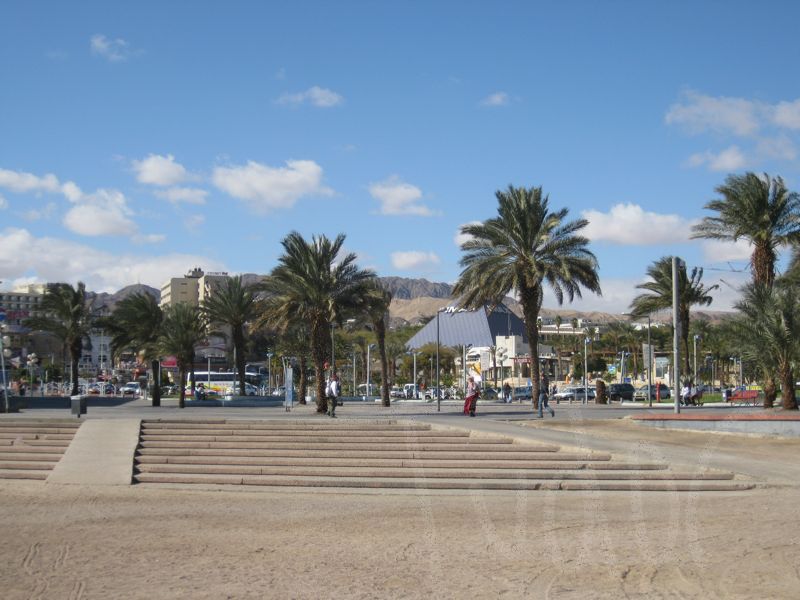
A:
[303,378]
[238,344]
[182,396]
[770,390]
[318,346]
[380,334]
[763,263]
[75,356]
[529,298]
[788,397]
[157,380]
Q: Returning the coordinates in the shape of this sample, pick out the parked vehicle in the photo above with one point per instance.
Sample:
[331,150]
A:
[641,392]
[523,393]
[131,388]
[397,392]
[621,391]
[574,394]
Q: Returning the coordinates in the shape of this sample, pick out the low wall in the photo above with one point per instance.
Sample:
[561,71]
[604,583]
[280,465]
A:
[782,424]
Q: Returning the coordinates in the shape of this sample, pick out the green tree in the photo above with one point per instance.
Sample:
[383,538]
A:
[525,247]
[760,210]
[135,325]
[66,313]
[232,304]
[769,333]
[182,328]
[313,284]
[691,292]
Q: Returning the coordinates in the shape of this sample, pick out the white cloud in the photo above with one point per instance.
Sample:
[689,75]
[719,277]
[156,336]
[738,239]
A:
[24,257]
[730,159]
[3,202]
[414,260]
[780,147]
[460,237]
[715,251]
[113,50]
[399,198]
[496,99]
[159,170]
[72,191]
[36,214]
[787,114]
[267,188]
[630,224]
[22,182]
[699,113]
[316,96]
[177,195]
[194,222]
[105,212]
[150,238]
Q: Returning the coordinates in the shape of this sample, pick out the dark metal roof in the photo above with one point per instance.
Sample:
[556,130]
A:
[460,327]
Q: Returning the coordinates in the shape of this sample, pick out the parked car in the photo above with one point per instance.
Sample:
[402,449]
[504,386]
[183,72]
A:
[641,392]
[131,389]
[489,394]
[573,394]
[397,392]
[621,391]
[524,392]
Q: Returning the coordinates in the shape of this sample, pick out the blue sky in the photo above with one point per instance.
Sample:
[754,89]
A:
[138,140]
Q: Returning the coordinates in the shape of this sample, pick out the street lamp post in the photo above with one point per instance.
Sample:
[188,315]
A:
[269,372]
[415,374]
[366,392]
[438,399]
[585,370]
[4,341]
[694,347]
[32,358]
[677,264]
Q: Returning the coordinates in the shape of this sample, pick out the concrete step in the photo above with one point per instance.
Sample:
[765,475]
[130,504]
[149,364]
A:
[209,450]
[429,473]
[40,425]
[425,483]
[27,465]
[24,448]
[391,462]
[8,430]
[49,443]
[35,436]
[238,436]
[29,457]
[18,474]
[336,447]
[303,433]
[323,425]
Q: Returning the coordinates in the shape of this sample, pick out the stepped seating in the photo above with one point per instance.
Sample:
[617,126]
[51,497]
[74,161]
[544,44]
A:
[354,454]
[30,449]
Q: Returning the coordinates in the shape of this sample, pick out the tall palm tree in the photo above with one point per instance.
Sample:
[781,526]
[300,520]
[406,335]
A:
[182,328]
[769,333]
[691,292]
[232,304]
[135,325]
[757,209]
[521,249]
[377,310]
[313,284]
[67,314]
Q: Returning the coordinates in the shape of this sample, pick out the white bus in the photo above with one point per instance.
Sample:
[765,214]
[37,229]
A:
[223,383]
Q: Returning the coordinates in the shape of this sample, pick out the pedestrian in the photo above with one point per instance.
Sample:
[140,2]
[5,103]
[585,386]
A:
[544,386]
[332,392]
[507,393]
[471,399]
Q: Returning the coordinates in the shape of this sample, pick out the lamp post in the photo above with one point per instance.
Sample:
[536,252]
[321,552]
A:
[677,264]
[32,358]
[694,347]
[585,370]
[438,399]
[366,392]
[414,381]
[269,372]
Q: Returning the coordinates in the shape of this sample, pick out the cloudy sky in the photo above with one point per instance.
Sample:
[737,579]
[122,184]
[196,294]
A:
[141,139]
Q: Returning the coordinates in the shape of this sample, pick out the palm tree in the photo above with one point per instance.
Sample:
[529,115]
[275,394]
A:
[523,247]
[135,325]
[377,309]
[312,284]
[232,304]
[757,209]
[691,292]
[769,330]
[66,314]
[182,328]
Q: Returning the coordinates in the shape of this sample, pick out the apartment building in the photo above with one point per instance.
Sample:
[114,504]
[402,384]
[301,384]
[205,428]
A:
[191,289]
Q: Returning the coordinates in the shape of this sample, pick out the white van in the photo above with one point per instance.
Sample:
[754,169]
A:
[410,390]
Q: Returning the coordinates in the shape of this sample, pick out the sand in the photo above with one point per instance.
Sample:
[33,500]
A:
[148,542]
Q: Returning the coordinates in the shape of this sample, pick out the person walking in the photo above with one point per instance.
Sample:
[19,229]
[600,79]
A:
[471,399]
[507,393]
[544,386]
[332,392]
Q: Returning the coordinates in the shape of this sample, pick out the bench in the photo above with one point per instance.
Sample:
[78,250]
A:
[744,397]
